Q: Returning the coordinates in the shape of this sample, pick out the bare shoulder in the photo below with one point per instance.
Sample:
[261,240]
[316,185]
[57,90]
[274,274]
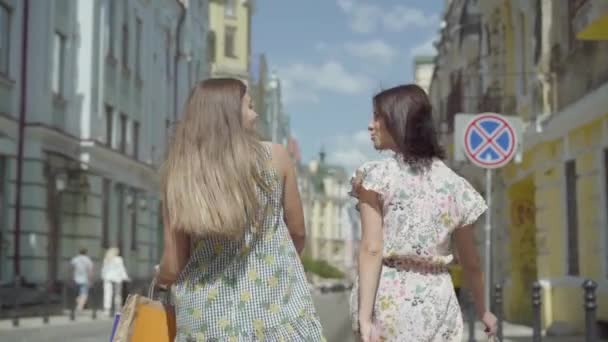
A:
[278,152]
[280,156]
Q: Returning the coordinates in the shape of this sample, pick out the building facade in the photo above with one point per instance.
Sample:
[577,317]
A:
[99,89]
[230,38]
[542,61]
[423,71]
[265,88]
[333,230]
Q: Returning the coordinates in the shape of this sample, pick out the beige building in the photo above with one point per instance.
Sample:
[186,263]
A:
[230,38]
[333,230]
[543,62]
[423,71]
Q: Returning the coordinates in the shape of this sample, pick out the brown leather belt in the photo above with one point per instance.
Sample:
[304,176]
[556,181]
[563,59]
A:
[419,266]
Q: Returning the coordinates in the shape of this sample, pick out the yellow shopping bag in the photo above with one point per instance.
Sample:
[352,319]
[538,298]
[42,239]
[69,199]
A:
[145,320]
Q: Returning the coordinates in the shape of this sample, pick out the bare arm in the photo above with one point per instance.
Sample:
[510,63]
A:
[370,254]
[175,254]
[292,204]
[469,259]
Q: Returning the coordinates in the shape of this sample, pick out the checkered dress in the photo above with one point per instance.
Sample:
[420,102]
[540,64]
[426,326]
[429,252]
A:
[248,290]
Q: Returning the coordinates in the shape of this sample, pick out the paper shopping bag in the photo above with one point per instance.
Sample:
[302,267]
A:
[145,320]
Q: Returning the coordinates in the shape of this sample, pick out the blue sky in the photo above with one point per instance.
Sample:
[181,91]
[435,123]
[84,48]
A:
[333,55]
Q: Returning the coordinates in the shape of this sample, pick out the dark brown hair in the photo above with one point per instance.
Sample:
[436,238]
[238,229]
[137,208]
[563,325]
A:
[407,113]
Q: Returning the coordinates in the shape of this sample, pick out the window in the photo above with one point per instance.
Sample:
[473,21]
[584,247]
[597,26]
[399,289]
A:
[58,63]
[197,72]
[110,23]
[230,8]
[134,221]
[571,28]
[229,41]
[167,128]
[125,45]
[109,125]
[105,213]
[606,195]
[572,218]
[138,42]
[120,192]
[168,52]
[135,139]
[123,132]
[523,51]
[5,26]
[211,46]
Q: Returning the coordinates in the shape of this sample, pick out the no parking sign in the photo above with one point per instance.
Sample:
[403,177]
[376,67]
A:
[489,141]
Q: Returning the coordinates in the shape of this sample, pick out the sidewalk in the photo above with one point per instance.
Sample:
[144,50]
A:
[518,333]
[54,321]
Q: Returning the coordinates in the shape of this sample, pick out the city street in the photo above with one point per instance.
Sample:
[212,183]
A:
[60,330]
[333,309]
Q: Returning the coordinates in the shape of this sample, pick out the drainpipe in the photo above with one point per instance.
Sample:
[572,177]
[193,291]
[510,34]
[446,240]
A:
[549,100]
[180,25]
[21,139]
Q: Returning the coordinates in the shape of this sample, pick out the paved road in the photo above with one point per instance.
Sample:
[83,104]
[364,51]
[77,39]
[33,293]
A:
[332,308]
[90,331]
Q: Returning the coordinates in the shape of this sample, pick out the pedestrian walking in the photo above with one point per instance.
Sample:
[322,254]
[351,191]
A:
[82,271]
[233,226]
[410,204]
[113,274]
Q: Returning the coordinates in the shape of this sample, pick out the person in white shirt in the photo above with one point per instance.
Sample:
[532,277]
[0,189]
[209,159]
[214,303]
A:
[113,274]
[82,267]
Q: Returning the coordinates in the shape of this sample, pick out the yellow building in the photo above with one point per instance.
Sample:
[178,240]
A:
[556,197]
[550,212]
[230,38]
[591,21]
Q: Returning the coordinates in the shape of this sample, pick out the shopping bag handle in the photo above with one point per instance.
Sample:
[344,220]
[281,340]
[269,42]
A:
[151,288]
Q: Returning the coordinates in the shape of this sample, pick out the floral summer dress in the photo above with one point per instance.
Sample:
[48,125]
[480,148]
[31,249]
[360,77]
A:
[249,290]
[415,299]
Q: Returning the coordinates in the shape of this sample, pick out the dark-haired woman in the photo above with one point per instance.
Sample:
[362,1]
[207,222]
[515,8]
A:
[410,205]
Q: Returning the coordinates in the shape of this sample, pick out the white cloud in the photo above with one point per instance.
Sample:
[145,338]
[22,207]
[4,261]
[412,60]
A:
[362,137]
[292,94]
[351,150]
[425,48]
[400,18]
[374,50]
[367,17]
[321,46]
[346,5]
[303,82]
[349,158]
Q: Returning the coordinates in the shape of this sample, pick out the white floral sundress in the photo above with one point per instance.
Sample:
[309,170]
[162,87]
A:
[420,211]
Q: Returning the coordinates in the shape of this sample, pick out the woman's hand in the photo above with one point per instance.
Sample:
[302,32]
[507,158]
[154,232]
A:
[489,321]
[368,331]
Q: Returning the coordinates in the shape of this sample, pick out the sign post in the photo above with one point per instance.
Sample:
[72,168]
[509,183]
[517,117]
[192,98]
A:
[490,142]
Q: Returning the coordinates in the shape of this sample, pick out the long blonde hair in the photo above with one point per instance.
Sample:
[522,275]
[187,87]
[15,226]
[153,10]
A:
[212,170]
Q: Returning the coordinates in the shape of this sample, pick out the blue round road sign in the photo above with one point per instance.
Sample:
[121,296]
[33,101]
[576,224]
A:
[489,141]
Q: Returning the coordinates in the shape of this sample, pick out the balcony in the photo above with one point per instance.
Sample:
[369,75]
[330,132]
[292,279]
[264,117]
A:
[591,19]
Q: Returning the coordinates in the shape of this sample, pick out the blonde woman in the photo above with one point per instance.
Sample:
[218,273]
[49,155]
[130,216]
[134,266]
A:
[113,274]
[233,226]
